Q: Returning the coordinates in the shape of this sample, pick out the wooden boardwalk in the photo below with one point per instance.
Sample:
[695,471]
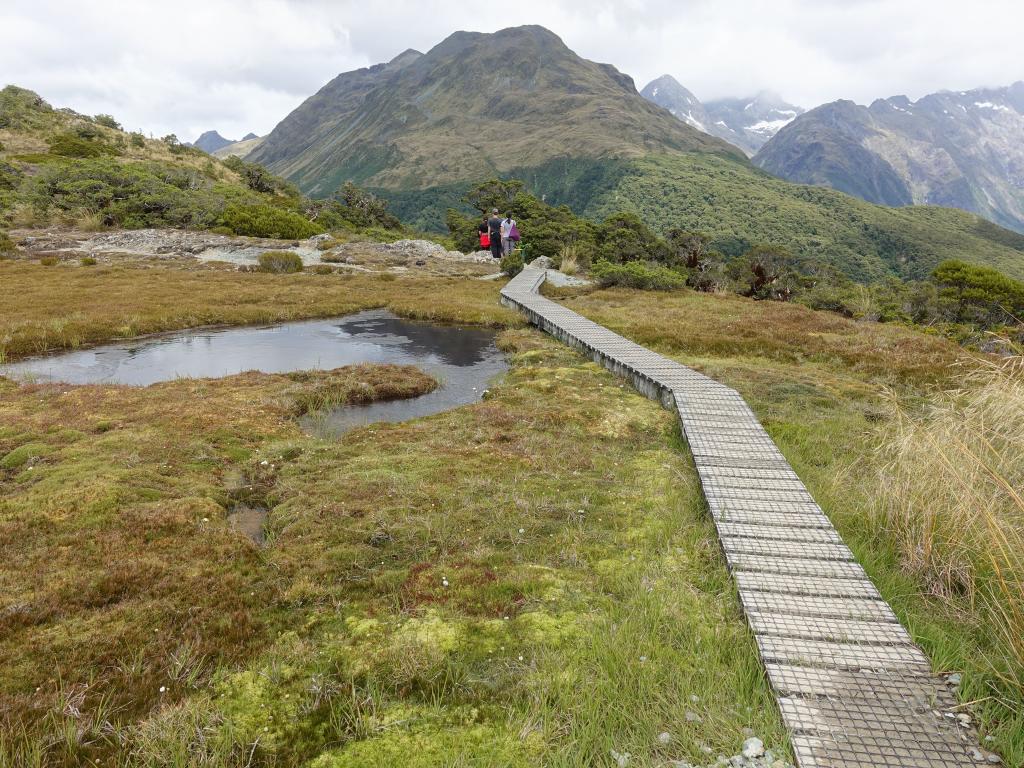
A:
[852,687]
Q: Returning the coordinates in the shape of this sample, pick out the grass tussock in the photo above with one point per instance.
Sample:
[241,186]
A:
[952,501]
[280,262]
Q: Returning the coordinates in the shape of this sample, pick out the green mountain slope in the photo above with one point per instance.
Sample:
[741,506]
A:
[738,205]
[474,105]
[58,167]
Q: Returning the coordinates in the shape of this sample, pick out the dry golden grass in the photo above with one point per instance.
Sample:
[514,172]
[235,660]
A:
[48,309]
[719,325]
[952,498]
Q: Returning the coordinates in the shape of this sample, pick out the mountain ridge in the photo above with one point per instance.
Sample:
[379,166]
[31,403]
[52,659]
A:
[961,149]
[746,123]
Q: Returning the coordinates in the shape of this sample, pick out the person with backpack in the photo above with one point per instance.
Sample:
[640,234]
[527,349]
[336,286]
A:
[494,233]
[509,234]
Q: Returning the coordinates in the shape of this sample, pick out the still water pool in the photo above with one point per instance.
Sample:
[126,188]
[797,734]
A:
[464,360]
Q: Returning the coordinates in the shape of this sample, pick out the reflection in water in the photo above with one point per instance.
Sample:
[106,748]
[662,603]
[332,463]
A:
[462,359]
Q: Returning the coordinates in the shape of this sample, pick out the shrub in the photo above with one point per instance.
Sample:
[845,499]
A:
[979,295]
[7,246]
[512,263]
[107,121]
[280,262]
[49,261]
[638,274]
[75,145]
[137,140]
[624,237]
[87,261]
[267,221]
[323,269]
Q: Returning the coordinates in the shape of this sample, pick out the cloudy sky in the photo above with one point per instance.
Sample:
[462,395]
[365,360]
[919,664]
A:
[240,66]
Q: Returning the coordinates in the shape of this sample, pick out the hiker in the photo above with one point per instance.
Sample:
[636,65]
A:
[484,232]
[494,232]
[509,234]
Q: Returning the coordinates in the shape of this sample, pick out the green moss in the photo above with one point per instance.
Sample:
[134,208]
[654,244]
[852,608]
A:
[23,454]
[425,742]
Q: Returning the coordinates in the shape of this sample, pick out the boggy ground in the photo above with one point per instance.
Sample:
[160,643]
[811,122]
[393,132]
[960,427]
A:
[531,580]
[46,308]
[371,628]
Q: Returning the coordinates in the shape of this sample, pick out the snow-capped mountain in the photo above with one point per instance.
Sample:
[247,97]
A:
[746,123]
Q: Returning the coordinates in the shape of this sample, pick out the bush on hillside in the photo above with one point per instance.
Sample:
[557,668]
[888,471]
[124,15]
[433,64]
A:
[107,121]
[280,262]
[259,179]
[131,195]
[136,139]
[7,247]
[637,274]
[267,221]
[979,295]
[624,237]
[21,108]
[72,144]
[10,177]
[351,208]
[765,272]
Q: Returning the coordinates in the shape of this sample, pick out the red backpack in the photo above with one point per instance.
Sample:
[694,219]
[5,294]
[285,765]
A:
[485,240]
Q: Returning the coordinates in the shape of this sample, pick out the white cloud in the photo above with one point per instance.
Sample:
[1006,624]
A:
[192,65]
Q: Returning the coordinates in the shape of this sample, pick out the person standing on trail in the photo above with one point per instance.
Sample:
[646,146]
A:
[494,230]
[482,231]
[507,225]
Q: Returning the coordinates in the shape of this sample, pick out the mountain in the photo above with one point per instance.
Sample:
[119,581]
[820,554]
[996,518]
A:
[745,123]
[241,148]
[423,128]
[473,106]
[962,149]
[211,141]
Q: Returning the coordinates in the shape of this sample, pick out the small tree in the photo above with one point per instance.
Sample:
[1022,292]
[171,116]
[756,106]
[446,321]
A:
[494,193]
[107,121]
[765,272]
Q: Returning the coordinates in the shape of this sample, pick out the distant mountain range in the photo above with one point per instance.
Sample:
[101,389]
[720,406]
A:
[963,149]
[746,123]
[423,128]
[211,141]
